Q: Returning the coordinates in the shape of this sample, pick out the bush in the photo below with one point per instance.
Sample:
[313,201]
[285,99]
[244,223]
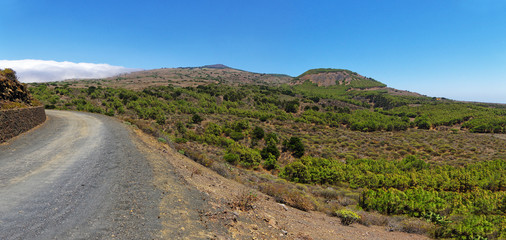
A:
[237,136]
[296,146]
[245,200]
[272,137]
[292,106]
[296,172]
[181,140]
[412,163]
[213,129]
[247,157]
[411,225]
[196,118]
[271,149]
[271,162]
[422,122]
[231,158]
[284,193]
[372,218]
[347,216]
[258,133]
[241,125]
[181,128]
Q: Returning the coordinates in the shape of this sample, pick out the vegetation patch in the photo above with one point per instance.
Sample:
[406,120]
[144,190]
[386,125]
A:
[414,164]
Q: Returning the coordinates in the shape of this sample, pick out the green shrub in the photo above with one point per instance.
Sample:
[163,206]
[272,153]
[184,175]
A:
[247,157]
[197,119]
[241,125]
[258,133]
[295,146]
[347,216]
[296,172]
[272,137]
[422,122]
[214,129]
[237,135]
[271,162]
[181,128]
[231,158]
[270,149]
[181,140]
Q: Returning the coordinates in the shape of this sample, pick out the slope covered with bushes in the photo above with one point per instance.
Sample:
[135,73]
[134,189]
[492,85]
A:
[417,159]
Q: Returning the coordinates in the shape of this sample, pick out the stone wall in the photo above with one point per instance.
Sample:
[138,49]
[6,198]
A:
[16,121]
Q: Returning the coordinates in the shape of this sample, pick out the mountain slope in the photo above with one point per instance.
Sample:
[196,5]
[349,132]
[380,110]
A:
[193,76]
[330,77]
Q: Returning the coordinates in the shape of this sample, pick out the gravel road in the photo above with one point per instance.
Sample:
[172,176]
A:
[78,176]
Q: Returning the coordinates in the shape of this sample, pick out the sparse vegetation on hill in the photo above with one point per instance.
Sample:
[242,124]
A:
[186,77]
[327,70]
[417,160]
[338,78]
[217,66]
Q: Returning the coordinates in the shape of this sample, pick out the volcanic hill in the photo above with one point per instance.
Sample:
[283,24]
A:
[325,77]
[191,77]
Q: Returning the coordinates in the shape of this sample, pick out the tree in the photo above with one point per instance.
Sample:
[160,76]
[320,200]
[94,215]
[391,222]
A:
[271,162]
[213,129]
[258,133]
[272,136]
[292,106]
[196,118]
[422,122]
[270,149]
[296,172]
[295,146]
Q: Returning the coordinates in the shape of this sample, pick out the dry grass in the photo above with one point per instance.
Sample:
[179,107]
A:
[285,193]
[12,105]
[245,200]
[411,225]
[373,218]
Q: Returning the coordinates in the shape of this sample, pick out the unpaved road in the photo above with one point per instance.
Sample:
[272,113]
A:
[78,176]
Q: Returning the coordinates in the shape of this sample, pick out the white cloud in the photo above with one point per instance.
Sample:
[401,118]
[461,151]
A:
[30,70]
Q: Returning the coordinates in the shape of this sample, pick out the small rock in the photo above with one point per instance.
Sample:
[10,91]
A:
[284,206]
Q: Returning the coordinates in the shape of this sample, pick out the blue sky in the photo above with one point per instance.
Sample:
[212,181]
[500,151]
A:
[450,48]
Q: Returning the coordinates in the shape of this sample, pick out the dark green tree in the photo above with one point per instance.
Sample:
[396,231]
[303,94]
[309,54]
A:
[271,149]
[196,119]
[258,133]
[295,146]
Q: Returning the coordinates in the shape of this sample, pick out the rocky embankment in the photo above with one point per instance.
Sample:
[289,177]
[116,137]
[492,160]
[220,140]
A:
[11,90]
[18,112]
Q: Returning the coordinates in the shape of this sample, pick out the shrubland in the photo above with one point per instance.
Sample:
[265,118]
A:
[411,163]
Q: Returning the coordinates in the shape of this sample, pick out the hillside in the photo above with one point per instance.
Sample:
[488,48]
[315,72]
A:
[188,77]
[12,92]
[330,77]
[422,162]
